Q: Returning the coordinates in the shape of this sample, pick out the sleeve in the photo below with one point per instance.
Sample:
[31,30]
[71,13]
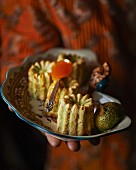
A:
[25,30]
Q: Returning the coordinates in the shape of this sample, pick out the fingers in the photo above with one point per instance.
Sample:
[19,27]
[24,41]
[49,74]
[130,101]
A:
[10,108]
[73,145]
[95,141]
[54,142]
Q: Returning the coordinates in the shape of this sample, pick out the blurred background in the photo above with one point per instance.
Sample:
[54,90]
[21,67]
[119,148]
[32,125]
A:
[108,28]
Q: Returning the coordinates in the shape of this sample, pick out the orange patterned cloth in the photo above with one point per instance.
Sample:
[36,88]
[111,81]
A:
[30,27]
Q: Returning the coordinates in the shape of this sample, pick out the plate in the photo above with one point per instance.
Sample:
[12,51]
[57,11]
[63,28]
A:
[14,92]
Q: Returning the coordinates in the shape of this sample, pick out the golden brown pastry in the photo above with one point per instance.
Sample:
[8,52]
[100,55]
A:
[39,76]
[75,115]
[67,86]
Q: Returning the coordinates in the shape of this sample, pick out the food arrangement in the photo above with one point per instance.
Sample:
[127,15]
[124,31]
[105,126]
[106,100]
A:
[67,95]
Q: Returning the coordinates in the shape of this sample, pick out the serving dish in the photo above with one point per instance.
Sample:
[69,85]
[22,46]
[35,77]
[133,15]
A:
[15,94]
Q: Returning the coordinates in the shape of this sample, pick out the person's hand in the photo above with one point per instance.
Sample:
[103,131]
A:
[72,145]
[54,142]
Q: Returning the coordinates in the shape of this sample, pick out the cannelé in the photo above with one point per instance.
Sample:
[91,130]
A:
[76,115]
[39,76]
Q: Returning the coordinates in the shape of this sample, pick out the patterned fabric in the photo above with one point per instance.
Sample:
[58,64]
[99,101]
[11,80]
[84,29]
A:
[29,27]
[33,27]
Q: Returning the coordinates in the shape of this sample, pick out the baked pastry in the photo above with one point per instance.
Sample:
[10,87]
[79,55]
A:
[78,64]
[39,76]
[76,115]
[66,86]
[60,89]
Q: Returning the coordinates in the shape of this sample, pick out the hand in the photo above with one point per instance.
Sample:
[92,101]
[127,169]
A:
[54,142]
[72,145]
